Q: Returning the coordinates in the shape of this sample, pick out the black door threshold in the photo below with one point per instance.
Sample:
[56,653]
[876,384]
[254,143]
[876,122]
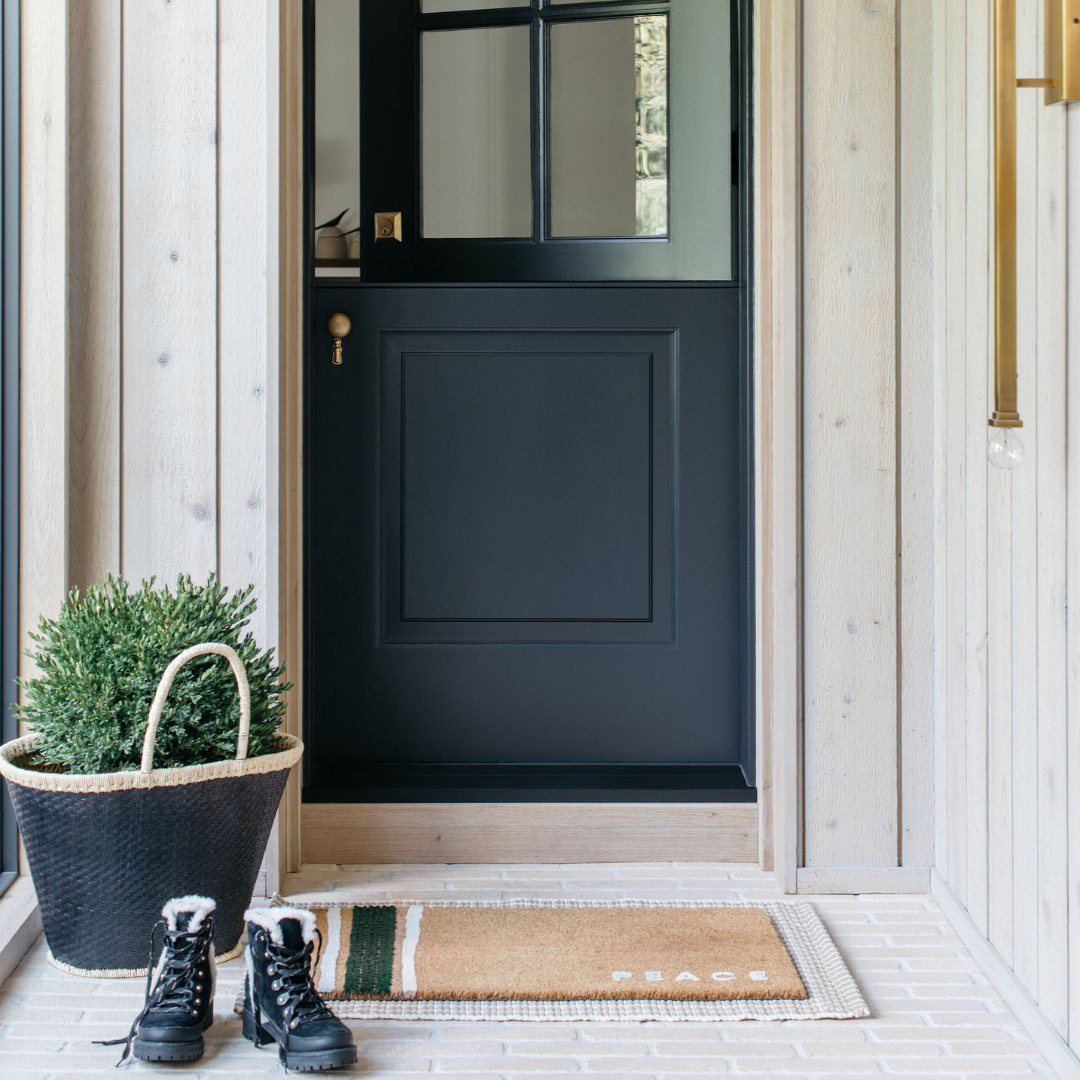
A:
[424,783]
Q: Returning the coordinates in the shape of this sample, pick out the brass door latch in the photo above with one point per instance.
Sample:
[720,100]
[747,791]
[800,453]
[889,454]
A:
[338,326]
[388,227]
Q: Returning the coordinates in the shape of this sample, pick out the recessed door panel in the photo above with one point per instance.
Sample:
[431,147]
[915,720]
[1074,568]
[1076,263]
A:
[525,486]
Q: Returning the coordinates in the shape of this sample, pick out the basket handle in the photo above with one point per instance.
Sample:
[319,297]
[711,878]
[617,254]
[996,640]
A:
[166,684]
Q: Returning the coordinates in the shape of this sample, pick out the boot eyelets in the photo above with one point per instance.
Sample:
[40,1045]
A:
[282,998]
[275,985]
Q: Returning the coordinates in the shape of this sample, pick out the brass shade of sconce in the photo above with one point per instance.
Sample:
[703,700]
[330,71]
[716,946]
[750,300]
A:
[1061,51]
[1061,63]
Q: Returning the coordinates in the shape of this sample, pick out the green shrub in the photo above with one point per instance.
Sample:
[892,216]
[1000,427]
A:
[101,662]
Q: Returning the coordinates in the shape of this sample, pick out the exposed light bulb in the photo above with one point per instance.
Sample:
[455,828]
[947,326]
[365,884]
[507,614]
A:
[1005,450]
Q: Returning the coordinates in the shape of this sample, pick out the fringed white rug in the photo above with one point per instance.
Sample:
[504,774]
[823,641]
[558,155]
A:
[385,962]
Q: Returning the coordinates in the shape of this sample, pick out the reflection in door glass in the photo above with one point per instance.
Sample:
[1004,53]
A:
[469,5]
[337,137]
[476,177]
[609,145]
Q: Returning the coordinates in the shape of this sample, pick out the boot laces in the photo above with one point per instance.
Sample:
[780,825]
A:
[293,976]
[175,986]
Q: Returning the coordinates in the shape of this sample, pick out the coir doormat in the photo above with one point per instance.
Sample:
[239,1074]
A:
[581,960]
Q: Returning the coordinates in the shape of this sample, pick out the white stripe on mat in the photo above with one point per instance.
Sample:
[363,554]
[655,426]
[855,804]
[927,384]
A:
[328,967]
[408,950]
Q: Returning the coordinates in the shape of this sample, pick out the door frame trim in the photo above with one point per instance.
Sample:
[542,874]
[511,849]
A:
[777,366]
[291,225]
[777,330]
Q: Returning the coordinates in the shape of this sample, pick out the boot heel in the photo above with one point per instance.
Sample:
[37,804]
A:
[254,1032]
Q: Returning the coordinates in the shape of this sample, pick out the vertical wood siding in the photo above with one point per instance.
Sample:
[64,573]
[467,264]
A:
[849,435]
[43,406]
[846,336]
[915,429]
[1071,944]
[248,324]
[94,290]
[173,281]
[170,289]
[1008,828]
[247,284]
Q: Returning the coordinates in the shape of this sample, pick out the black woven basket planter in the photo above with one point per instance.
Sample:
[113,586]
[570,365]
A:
[107,851]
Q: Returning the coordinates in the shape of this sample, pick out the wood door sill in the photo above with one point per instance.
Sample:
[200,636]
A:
[356,833]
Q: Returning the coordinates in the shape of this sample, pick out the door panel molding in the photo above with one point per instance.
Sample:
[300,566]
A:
[435,392]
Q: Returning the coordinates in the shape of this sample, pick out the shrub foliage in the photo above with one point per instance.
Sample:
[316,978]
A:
[101,662]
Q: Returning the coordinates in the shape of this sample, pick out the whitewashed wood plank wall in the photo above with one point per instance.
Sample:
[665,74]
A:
[172,275]
[43,406]
[1008,542]
[849,434]
[866,441]
[171,459]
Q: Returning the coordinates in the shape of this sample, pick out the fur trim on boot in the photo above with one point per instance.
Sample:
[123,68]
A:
[270,918]
[199,906]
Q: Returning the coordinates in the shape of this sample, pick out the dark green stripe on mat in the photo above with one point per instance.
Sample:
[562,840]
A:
[370,965]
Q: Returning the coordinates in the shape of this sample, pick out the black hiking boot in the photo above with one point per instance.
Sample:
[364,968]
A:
[179,987]
[281,1003]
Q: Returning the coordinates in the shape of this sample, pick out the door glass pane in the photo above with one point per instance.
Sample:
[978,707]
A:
[337,136]
[477,154]
[470,5]
[609,145]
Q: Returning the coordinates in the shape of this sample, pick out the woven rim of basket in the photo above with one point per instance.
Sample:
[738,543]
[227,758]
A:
[14,754]
[130,973]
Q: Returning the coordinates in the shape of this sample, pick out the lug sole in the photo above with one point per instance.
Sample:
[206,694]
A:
[314,1061]
[163,1051]
[321,1059]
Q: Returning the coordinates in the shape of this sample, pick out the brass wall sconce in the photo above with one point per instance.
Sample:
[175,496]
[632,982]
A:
[1061,62]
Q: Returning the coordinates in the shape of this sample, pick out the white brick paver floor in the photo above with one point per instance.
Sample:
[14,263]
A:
[935,1013]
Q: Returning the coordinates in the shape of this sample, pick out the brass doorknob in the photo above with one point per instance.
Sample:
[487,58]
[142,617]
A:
[338,326]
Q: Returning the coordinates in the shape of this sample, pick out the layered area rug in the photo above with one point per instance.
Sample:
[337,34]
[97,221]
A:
[581,960]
